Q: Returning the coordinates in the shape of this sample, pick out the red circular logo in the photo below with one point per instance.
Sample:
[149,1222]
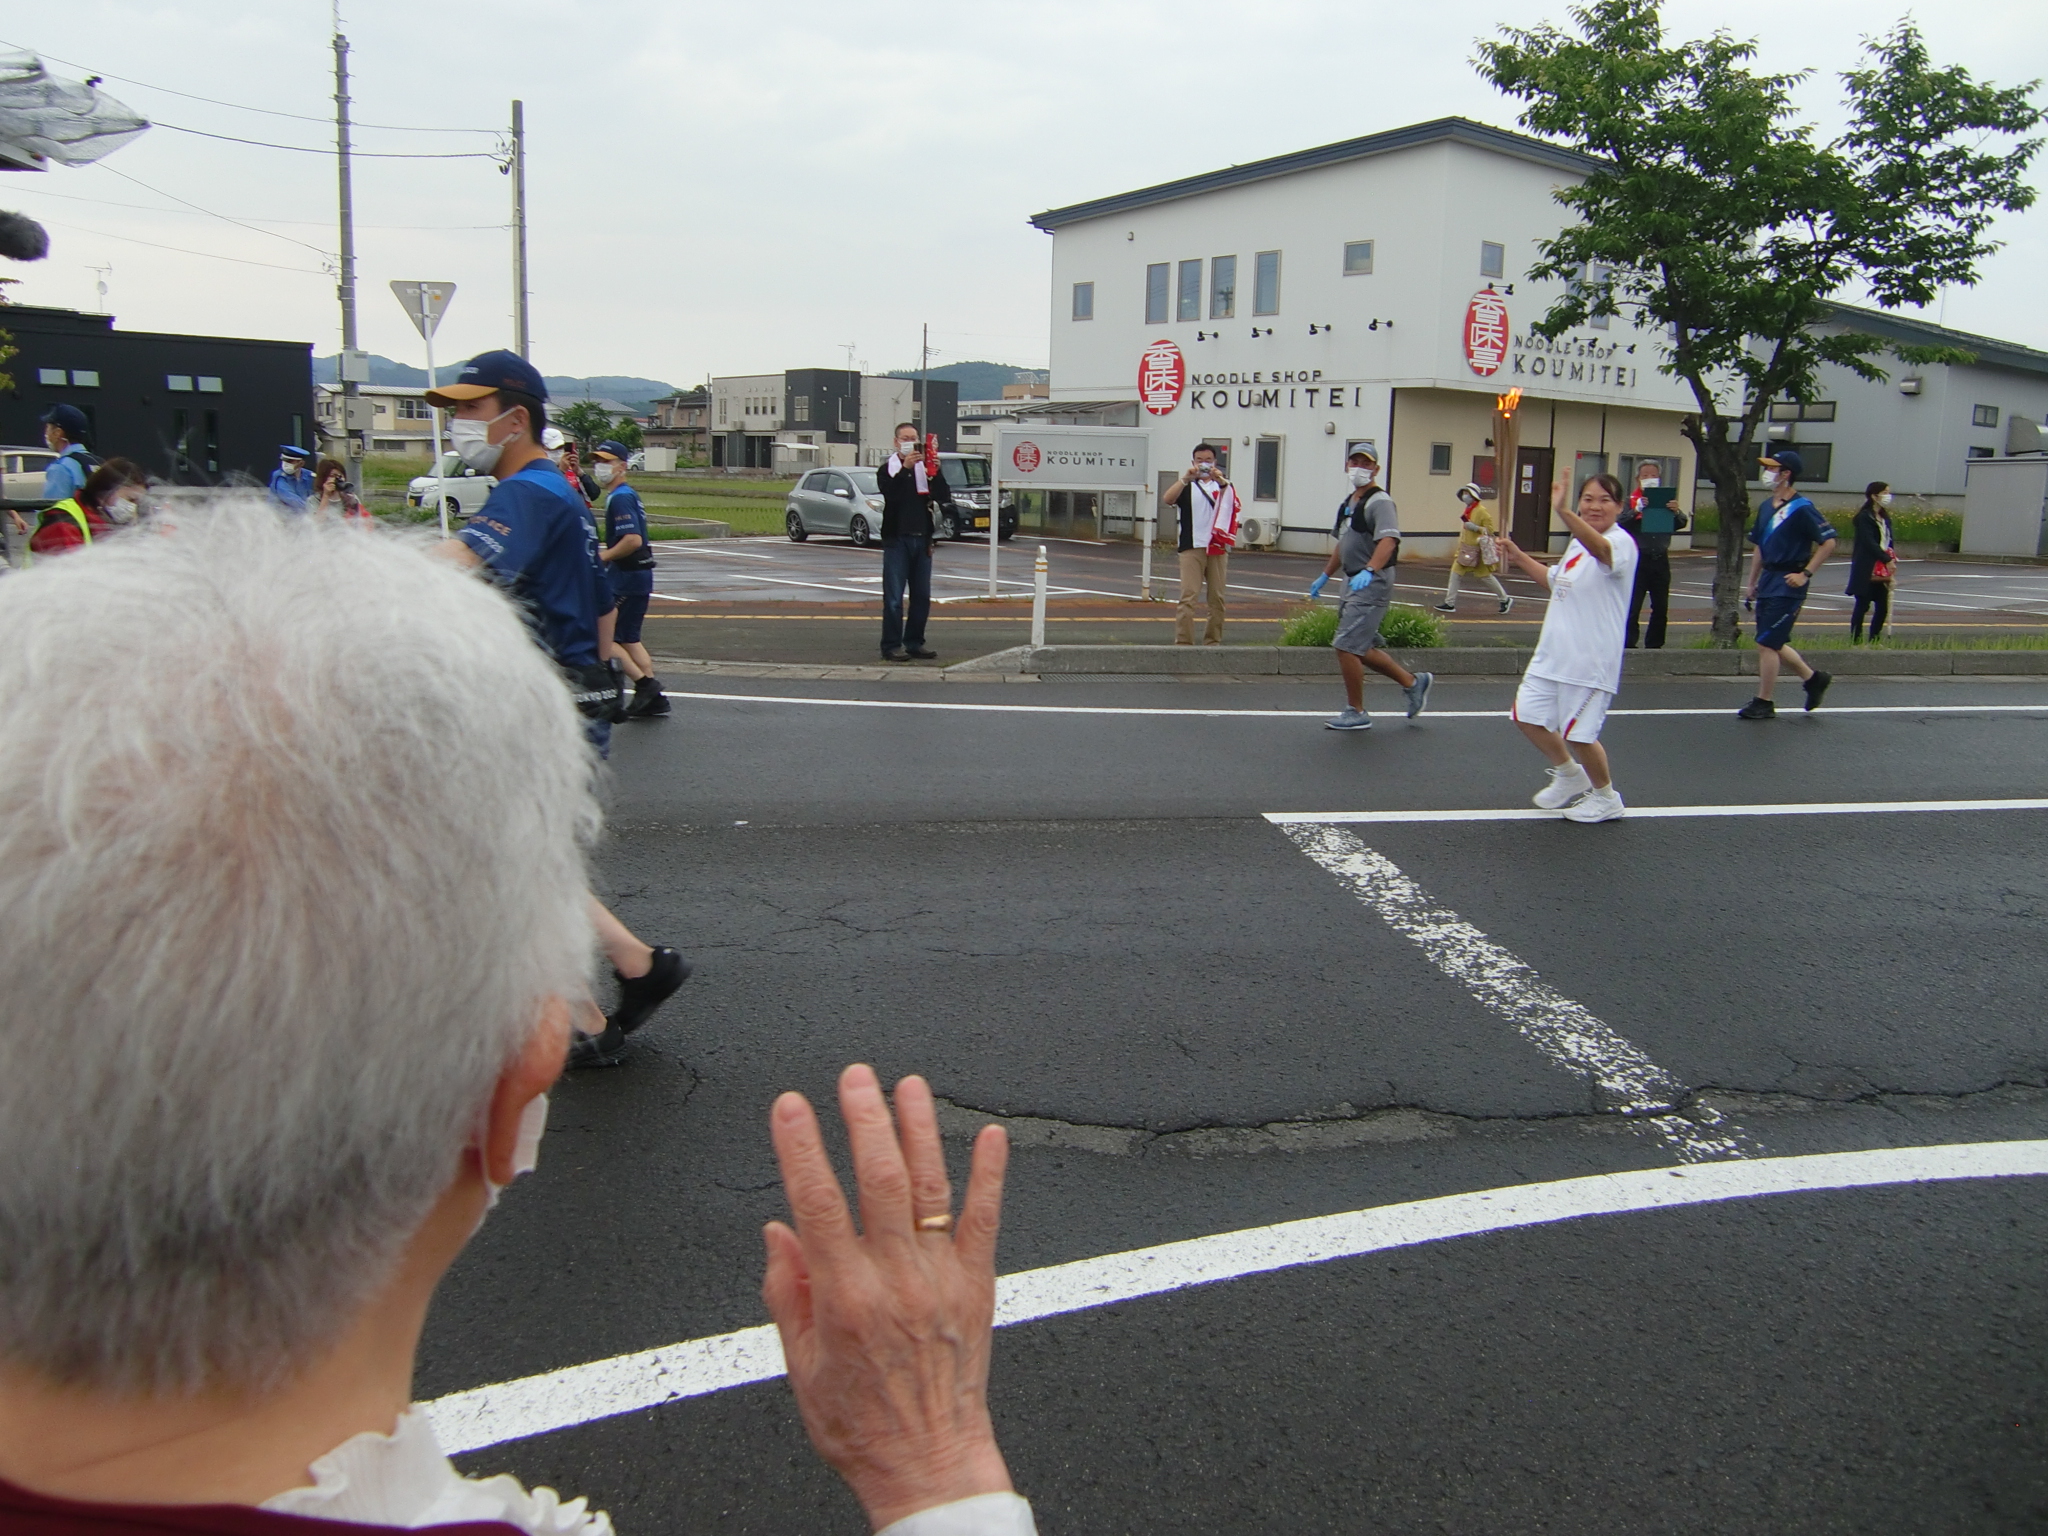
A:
[1162,375]
[1486,332]
[1026,457]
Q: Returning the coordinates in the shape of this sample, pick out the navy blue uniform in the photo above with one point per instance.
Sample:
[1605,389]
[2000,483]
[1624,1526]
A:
[1787,537]
[632,576]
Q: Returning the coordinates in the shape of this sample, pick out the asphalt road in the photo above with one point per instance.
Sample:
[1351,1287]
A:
[1072,912]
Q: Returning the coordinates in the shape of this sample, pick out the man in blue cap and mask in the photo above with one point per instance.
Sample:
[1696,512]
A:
[1792,541]
[291,482]
[537,539]
[65,430]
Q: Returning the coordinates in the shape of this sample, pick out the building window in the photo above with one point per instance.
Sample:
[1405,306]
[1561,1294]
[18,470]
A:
[1222,287]
[178,383]
[1980,415]
[181,441]
[1439,458]
[1266,470]
[1975,453]
[1266,284]
[1792,410]
[89,378]
[209,384]
[52,376]
[1493,259]
[414,410]
[378,407]
[721,410]
[1155,292]
[1358,258]
[1084,301]
[969,429]
[1188,302]
[212,443]
[802,406]
[1819,459]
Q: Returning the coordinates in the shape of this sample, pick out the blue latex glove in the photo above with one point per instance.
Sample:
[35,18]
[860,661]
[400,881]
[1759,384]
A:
[1361,581]
[1315,588]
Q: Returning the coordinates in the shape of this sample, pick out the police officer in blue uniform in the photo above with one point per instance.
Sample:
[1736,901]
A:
[64,430]
[291,482]
[1793,541]
[535,536]
[629,559]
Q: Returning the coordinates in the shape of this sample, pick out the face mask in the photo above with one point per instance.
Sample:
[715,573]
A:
[289,466]
[472,442]
[907,450]
[1361,478]
[605,474]
[1884,499]
[1651,482]
[533,1124]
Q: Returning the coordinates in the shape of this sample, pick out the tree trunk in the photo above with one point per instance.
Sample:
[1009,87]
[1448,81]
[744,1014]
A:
[1722,461]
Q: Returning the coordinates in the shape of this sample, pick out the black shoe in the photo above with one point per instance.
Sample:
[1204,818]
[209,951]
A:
[649,702]
[605,1050]
[924,653]
[639,996]
[894,656]
[1757,709]
[1816,686]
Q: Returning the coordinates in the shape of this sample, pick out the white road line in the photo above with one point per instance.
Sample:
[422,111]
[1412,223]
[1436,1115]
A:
[1301,714]
[537,1405]
[1652,812]
[784,581]
[734,554]
[1567,1032]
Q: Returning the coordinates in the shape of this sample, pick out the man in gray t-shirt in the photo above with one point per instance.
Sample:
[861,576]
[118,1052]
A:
[1368,531]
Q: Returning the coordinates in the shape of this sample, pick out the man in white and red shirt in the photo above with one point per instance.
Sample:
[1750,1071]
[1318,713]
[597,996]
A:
[1576,671]
[1209,511]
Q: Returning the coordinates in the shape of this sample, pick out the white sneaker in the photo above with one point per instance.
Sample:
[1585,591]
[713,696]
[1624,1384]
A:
[1596,805]
[1566,785]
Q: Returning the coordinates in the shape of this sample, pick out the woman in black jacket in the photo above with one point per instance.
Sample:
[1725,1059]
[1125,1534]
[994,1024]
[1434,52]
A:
[1872,562]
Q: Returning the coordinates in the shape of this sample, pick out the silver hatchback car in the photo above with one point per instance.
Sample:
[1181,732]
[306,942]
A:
[846,502]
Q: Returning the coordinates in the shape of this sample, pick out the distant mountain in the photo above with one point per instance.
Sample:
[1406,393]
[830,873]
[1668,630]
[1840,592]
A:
[624,389]
[980,381]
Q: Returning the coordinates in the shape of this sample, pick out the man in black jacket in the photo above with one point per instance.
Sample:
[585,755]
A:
[911,482]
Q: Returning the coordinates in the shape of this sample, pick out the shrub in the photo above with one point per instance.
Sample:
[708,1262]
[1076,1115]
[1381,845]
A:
[1409,629]
[1310,624]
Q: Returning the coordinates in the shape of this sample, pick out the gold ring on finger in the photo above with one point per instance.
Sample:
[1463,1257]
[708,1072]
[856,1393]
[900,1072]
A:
[940,1223]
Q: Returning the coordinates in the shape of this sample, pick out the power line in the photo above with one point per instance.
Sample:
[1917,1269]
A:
[215,101]
[301,149]
[107,202]
[186,251]
[271,233]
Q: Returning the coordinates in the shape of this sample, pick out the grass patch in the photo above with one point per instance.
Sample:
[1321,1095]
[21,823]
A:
[694,486]
[1833,639]
[1404,628]
[1907,527]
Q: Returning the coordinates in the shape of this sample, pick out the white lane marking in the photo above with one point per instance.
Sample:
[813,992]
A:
[537,1405]
[1654,812]
[1568,1032]
[733,554]
[1303,714]
[784,581]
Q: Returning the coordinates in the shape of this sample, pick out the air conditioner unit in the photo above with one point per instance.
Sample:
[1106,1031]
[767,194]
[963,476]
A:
[2023,435]
[1261,528]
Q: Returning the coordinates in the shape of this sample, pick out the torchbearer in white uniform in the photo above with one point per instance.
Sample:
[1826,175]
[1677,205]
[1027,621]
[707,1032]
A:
[1576,671]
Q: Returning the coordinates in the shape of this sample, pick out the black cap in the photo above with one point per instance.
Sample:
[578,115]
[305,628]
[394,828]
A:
[1787,460]
[486,374]
[69,420]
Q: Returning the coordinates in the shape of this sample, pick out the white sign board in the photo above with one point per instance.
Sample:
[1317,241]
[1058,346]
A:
[425,304]
[1070,458]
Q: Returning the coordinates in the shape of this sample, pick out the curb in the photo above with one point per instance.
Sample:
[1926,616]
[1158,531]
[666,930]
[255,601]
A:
[1462,661]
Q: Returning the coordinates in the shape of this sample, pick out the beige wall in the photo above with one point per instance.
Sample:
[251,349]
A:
[1464,419]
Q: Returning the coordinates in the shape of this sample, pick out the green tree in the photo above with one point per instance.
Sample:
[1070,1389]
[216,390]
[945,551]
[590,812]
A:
[1721,223]
[586,421]
[627,431]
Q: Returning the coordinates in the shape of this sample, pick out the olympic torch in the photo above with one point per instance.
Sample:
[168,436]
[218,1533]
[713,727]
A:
[1505,430]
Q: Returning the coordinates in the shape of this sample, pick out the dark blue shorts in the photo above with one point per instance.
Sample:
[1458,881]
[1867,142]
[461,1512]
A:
[1774,619]
[632,609]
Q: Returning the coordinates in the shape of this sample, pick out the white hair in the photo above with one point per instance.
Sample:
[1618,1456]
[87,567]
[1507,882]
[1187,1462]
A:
[293,823]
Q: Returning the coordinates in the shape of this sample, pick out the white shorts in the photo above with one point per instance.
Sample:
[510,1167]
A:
[1575,713]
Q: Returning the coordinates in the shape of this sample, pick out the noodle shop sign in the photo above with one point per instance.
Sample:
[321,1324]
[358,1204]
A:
[1070,458]
[1486,333]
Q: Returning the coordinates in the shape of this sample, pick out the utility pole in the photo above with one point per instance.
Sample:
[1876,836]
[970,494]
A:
[347,289]
[519,331]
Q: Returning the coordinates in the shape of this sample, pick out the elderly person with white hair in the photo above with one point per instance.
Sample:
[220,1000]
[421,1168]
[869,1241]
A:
[313,915]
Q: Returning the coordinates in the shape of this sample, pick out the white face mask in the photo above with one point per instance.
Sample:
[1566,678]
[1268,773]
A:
[533,1124]
[1884,499]
[1360,478]
[605,474]
[907,449]
[290,466]
[1651,482]
[471,441]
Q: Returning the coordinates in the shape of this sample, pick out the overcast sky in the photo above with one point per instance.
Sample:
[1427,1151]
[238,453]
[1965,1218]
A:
[745,188]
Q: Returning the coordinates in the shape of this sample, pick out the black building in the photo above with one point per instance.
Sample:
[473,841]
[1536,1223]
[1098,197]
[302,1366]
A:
[822,400]
[192,410]
[941,414]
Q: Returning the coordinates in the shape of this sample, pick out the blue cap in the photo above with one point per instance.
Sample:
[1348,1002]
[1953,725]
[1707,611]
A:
[69,420]
[611,447]
[292,451]
[1786,460]
[488,373]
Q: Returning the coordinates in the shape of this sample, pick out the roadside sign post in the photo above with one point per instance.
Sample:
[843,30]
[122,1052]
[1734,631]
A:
[1038,601]
[425,304]
[1066,459]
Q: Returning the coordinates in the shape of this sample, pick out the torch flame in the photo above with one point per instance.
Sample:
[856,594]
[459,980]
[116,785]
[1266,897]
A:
[1505,404]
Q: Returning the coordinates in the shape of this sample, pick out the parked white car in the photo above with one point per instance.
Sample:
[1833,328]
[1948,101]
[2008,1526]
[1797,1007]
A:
[22,469]
[462,489]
